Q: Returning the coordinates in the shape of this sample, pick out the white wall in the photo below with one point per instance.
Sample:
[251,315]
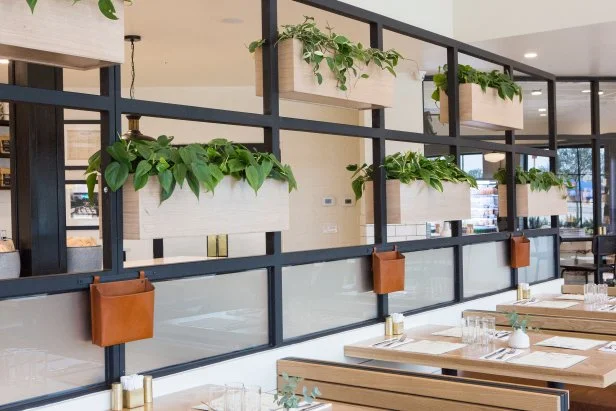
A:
[260,368]
[476,20]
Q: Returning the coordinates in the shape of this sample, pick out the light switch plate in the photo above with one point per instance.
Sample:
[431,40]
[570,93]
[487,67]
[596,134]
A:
[328,201]
[348,201]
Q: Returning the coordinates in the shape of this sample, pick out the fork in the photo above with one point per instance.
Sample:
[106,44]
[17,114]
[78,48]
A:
[507,352]
[399,340]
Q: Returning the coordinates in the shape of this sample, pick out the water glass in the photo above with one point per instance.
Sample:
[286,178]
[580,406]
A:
[590,293]
[252,398]
[214,397]
[234,396]
[602,294]
[488,331]
[470,330]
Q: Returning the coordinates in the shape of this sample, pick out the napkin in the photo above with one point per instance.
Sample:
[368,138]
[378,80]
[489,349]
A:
[549,360]
[502,354]
[577,297]
[432,347]
[609,347]
[132,382]
[555,304]
[450,332]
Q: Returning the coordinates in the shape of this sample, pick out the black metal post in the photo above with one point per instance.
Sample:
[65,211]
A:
[553,145]
[510,167]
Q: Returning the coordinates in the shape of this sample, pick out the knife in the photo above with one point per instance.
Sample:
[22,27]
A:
[495,353]
[384,342]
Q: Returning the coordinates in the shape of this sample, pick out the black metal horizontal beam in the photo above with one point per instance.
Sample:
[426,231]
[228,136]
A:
[323,127]
[193,113]
[67,99]
[363,15]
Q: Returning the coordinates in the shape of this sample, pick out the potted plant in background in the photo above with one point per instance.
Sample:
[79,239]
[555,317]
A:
[538,193]
[287,397]
[418,189]
[328,68]
[10,263]
[83,34]
[518,338]
[222,186]
[490,101]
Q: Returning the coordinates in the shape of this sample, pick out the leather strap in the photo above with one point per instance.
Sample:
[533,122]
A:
[142,275]
[97,280]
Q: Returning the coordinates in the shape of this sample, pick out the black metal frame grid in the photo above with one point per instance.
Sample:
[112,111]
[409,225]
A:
[112,106]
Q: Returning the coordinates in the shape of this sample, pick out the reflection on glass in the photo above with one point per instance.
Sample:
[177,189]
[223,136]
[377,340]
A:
[45,346]
[429,279]
[202,317]
[576,164]
[541,261]
[486,268]
[321,296]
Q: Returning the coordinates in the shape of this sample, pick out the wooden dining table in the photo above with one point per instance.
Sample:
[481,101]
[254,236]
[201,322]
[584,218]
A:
[597,370]
[577,310]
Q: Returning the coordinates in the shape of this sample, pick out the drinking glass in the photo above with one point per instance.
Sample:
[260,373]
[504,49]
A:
[252,398]
[589,293]
[472,325]
[488,331]
[602,293]
[234,396]
[214,397]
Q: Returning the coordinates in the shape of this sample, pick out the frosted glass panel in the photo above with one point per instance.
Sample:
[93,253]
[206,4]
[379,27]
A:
[45,346]
[201,317]
[321,296]
[486,268]
[541,261]
[429,280]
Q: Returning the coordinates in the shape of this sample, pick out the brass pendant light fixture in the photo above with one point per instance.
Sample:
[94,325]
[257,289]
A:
[133,132]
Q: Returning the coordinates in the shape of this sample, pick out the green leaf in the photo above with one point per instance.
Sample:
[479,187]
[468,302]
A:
[140,181]
[31,4]
[116,175]
[106,7]
[193,183]
[235,165]
[118,151]
[91,182]
[143,168]
[165,194]
[319,78]
[341,39]
[166,180]
[252,176]
[179,173]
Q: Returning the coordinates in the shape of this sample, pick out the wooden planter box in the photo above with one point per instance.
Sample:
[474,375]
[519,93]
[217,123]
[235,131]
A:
[417,203]
[62,34]
[485,110]
[297,81]
[533,203]
[233,208]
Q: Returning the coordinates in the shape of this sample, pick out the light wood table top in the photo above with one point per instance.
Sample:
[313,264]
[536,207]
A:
[186,400]
[598,370]
[579,310]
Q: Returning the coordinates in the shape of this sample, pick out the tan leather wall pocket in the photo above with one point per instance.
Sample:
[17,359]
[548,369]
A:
[122,311]
[388,271]
[520,252]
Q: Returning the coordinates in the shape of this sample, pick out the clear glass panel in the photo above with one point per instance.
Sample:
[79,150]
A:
[486,268]
[326,295]
[576,164]
[541,261]
[5,169]
[573,108]
[535,100]
[45,346]
[607,105]
[429,280]
[324,211]
[170,69]
[202,317]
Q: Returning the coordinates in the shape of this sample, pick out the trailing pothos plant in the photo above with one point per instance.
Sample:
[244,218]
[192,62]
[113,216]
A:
[411,166]
[195,164]
[105,6]
[539,180]
[344,58]
[287,398]
[506,87]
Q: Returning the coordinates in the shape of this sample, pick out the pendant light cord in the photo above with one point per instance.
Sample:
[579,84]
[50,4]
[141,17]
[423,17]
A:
[132,69]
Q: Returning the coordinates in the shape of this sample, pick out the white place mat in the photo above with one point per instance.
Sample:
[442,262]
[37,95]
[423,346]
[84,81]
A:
[432,347]
[502,354]
[555,304]
[549,360]
[450,332]
[577,297]
[609,347]
[570,343]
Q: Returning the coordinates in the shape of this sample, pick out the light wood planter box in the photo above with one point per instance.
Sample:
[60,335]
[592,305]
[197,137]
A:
[59,33]
[533,203]
[485,110]
[233,208]
[417,203]
[297,81]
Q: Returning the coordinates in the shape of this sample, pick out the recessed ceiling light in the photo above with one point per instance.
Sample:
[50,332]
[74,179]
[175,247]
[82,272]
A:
[536,92]
[586,91]
[530,55]
[543,109]
[494,157]
[4,61]
[543,115]
[600,92]
[232,20]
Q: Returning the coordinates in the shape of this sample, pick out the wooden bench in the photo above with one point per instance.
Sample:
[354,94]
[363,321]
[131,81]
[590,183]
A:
[579,289]
[399,390]
[582,398]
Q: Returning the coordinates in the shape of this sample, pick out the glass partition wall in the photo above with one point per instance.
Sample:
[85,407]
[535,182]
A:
[273,280]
